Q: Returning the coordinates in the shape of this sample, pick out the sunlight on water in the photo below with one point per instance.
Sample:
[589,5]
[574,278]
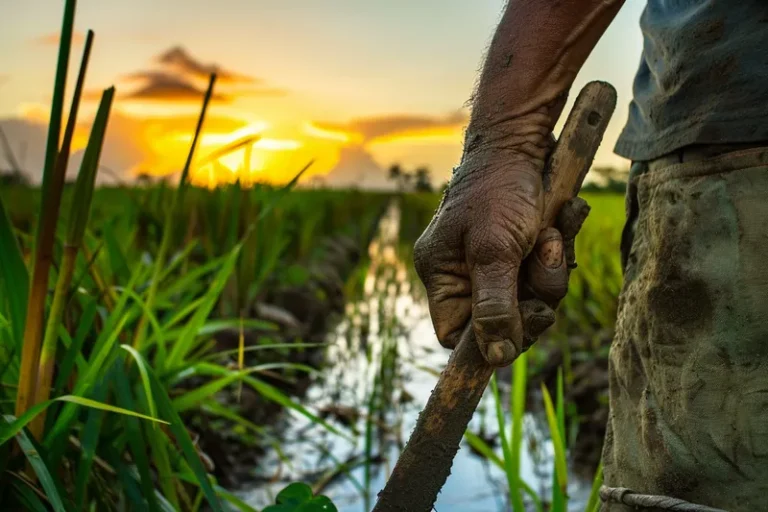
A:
[387,340]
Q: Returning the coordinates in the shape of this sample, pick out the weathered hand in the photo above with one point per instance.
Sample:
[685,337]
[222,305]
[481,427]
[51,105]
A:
[484,258]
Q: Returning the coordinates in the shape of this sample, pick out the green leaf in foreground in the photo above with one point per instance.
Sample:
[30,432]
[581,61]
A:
[509,467]
[519,384]
[46,480]
[144,373]
[16,425]
[297,497]
[561,468]
[14,278]
[185,443]
[27,497]
[593,505]
[295,493]
[271,393]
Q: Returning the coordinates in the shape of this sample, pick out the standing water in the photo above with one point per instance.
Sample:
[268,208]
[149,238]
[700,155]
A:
[381,365]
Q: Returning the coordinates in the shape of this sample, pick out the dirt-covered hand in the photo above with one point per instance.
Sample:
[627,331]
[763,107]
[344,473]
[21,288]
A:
[475,257]
[542,288]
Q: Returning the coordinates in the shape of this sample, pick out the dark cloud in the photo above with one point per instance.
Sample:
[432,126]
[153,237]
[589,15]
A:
[182,78]
[53,39]
[179,59]
[162,86]
[371,128]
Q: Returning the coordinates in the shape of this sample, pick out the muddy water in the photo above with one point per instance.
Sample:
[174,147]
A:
[381,365]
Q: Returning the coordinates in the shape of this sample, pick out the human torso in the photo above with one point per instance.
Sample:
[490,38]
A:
[703,77]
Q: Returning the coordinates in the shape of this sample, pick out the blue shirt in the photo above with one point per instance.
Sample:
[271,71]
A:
[703,77]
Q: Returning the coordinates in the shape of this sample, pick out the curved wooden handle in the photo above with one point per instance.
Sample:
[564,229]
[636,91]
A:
[424,465]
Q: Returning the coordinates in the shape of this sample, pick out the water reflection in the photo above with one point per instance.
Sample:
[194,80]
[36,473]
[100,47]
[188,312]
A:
[381,365]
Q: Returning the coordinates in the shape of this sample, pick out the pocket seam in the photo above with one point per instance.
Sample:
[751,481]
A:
[727,162]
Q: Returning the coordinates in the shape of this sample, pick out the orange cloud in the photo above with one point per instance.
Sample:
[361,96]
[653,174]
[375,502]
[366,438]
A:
[54,38]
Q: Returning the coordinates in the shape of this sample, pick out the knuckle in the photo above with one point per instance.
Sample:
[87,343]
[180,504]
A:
[492,317]
[550,288]
[494,243]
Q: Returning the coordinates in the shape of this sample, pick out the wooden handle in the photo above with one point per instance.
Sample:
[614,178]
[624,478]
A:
[575,149]
[424,465]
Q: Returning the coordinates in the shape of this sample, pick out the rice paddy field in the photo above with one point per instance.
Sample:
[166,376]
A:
[263,348]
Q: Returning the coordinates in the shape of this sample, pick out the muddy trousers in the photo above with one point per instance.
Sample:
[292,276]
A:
[689,361]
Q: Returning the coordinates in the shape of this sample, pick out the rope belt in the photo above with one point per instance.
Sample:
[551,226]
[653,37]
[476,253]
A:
[629,497]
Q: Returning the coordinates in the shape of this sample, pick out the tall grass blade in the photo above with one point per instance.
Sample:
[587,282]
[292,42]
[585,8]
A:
[518,394]
[74,351]
[145,382]
[46,224]
[178,196]
[559,498]
[89,440]
[185,340]
[593,504]
[270,393]
[478,444]
[211,406]
[43,475]
[81,208]
[509,467]
[27,496]
[14,278]
[135,439]
[16,425]
[185,443]
[192,398]
[561,468]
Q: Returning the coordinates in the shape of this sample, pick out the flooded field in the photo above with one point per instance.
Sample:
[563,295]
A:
[380,367]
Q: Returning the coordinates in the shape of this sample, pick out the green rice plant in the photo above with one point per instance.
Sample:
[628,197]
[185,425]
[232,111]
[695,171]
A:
[78,220]
[593,503]
[127,353]
[178,198]
[56,160]
[556,422]
[511,448]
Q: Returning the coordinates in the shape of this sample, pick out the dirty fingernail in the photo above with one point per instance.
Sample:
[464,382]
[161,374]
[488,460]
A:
[500,353]
[551,253]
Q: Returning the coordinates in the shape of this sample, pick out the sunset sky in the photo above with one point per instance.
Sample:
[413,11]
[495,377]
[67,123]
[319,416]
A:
[355,85]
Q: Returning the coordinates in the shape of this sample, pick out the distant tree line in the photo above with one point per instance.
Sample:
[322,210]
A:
[418,180]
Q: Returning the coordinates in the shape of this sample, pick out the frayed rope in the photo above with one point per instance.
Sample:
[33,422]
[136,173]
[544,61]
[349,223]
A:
[631,498]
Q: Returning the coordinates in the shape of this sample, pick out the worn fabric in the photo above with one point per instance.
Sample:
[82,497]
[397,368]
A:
[689,361]
[702,77]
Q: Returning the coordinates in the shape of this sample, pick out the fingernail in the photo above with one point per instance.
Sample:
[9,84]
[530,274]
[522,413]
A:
[500,353]
[551,253]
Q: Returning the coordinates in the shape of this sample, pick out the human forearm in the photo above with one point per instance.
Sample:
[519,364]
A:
[536,53]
